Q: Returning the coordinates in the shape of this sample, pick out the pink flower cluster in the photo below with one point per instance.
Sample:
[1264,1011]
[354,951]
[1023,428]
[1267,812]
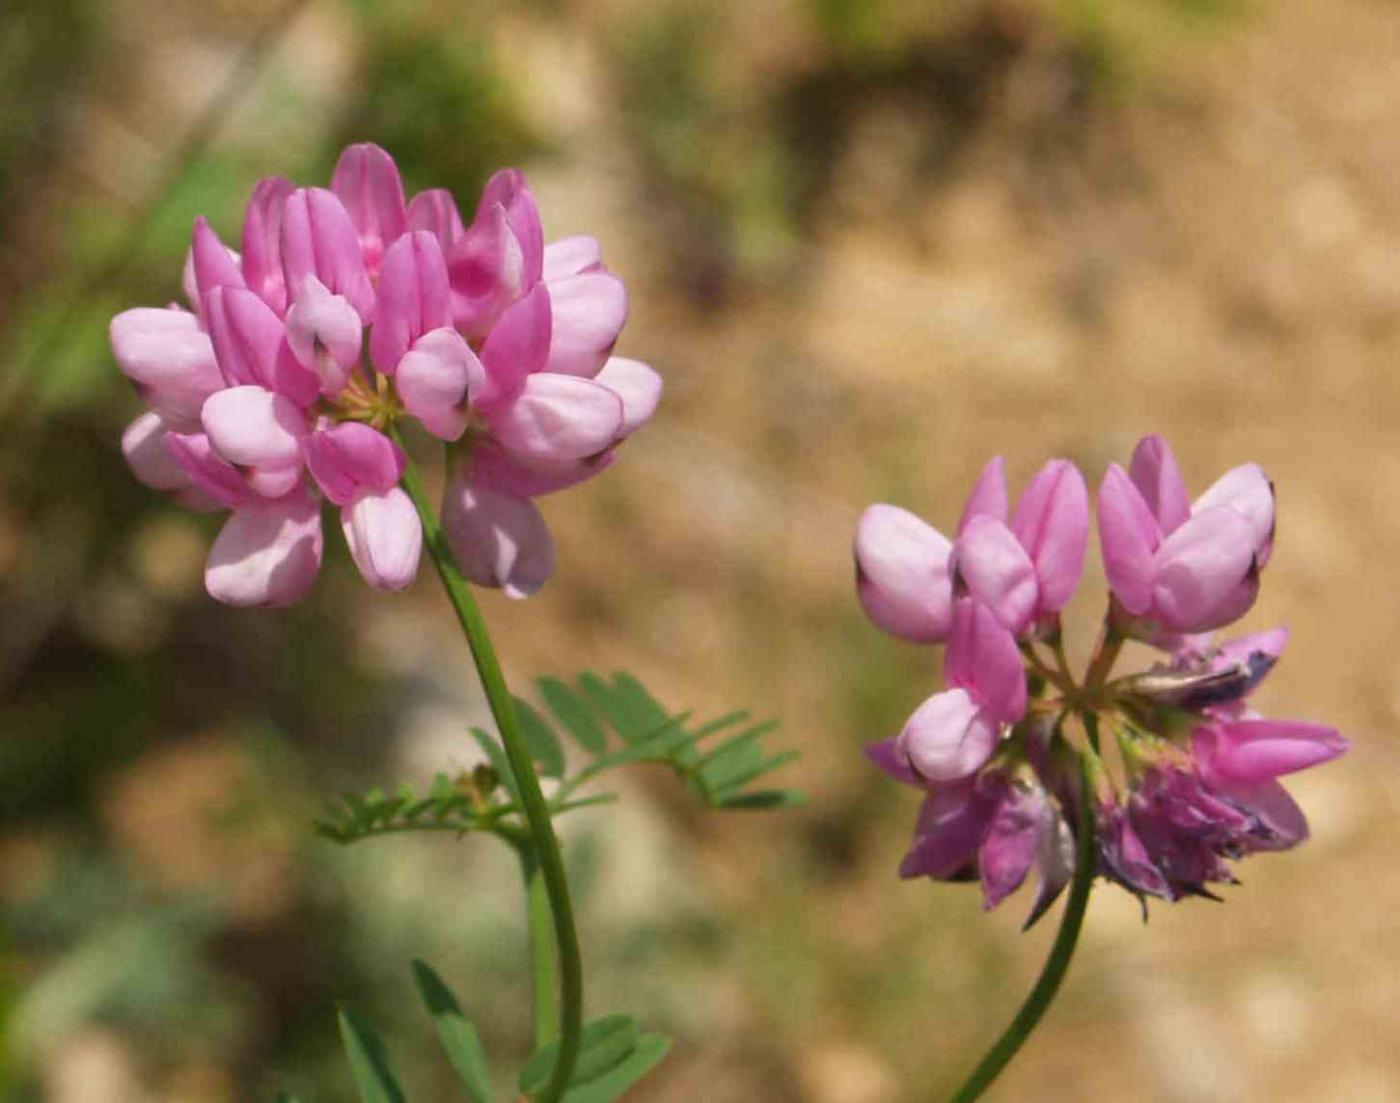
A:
[346,311]
[1189,779]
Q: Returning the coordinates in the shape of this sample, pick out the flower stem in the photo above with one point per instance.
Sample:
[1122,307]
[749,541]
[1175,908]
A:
[1056,964]
[544,844]
[545,975]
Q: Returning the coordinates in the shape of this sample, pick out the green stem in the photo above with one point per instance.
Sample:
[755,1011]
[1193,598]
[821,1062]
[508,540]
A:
[1056,965]
[1105,655]
[544,974]
[543,841]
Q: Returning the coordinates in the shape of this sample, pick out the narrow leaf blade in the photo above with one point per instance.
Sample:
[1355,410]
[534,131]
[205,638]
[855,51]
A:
[649,1051]
[539,737]
[369,1061]
[574,714]
[459,1038]
[603,1044]
[496,754]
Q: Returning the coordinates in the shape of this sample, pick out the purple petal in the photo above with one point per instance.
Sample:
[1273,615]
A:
[1011,844]
[889,758]
[509,189]
[1158,479]
[902,574]
[486,270]
[588,313]
[523,477]
[412,298]
[170,360]
[385,537]
[950,828]
[498,540]
[214,263]
[1129,536]
[267,553]
[436,379]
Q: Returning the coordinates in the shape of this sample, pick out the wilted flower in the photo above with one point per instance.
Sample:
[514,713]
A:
[1194,782]
[347,310]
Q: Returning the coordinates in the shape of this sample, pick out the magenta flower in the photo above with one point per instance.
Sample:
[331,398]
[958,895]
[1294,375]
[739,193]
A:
[347,310]
[1178,568]
[1194,785]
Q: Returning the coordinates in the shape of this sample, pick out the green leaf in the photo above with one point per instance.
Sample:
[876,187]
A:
[369,1061]
[631,710]
[578,721]
[653,747]
[540,739]
[733,757]
[497,755]
[650,1049]
[459,1038]
[731,786]
[603,1044]
[763,799]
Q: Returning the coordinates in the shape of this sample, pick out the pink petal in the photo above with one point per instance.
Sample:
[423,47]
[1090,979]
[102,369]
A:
[215,265]
[486,270]
[517,347]
[413,298]
[636,385]
[983,658]
[267,553]
[1204,572]
[588,313]
[1247,490]
[218,479]
[1276,810]
[436,379]
[508,188]
[347,458]
[997,571]
[902,574]
[1129,536]
[498,540]
[324,333]
[558,417]
[952,823]
[1158,479]
[262,241]
[949,737]
[319,239]
[169,359]
[435,210]
[1247,752]
[1052,523]
[571,255]
[251,425]
[385,537]
[367,181]
[143,445]
[988,497]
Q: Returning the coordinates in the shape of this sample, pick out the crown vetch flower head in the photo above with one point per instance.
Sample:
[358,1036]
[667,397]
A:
[351,309]
[1188,781]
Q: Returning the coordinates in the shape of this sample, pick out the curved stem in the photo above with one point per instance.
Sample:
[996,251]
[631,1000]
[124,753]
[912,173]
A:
[545,975]
[1056,964]
[542,839]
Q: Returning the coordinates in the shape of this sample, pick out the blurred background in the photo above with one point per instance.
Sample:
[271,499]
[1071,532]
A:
[868,243]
